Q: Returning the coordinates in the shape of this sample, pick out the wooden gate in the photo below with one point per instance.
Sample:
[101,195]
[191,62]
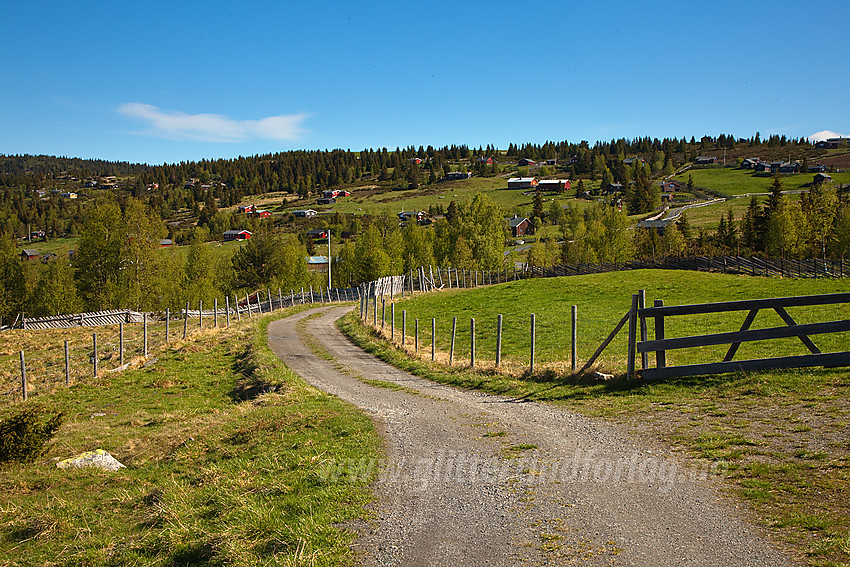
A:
[639,343]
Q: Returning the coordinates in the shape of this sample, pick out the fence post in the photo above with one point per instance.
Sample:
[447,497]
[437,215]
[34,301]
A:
[185,320]
[403,326]
[23,377]
[215,312]
[121,343]
[452,347]
[167,322]
[291,297]
[227,310]
[269,295]
[630,357]
[498,340]
[200,314]
[279,299]
[145,333]
[660,355]
[248,304]
[375,312]
[574,340]
[383,312]
[94,356]
[236,308]
[533,337]
[67,365]
[392,322]
[416,336]
[311,294]
[302,295]
[644,356]
[472,342]
[433,339]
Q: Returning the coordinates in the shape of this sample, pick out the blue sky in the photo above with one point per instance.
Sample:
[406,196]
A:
[162,82]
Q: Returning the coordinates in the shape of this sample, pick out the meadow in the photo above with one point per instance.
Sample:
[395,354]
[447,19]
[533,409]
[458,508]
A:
[729,182]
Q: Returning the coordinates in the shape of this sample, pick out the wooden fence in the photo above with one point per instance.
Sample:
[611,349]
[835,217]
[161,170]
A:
[752,266]
[639,343]
[258,302]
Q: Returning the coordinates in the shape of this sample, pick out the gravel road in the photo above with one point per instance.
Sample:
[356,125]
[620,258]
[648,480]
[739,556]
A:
[474,479]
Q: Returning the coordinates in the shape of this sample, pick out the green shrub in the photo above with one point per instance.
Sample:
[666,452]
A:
[23,436]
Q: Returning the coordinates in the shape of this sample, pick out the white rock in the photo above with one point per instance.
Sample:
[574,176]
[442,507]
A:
[98,458]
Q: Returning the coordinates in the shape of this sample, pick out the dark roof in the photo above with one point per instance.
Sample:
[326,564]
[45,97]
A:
[516,221]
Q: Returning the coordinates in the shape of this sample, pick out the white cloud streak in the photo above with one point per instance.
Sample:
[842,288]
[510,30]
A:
[824,134]
[174,125]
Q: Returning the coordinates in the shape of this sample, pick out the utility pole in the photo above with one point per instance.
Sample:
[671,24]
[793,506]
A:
[329,262]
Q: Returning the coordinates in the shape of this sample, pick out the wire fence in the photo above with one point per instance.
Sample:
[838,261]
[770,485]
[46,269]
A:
[40,355]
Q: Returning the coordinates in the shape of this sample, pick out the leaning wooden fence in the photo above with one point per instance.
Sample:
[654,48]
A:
[639,343]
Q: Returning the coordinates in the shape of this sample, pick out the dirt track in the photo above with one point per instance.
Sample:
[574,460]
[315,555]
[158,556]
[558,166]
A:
[476,479]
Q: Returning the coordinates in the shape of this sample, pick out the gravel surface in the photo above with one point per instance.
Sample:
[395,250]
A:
[475,479]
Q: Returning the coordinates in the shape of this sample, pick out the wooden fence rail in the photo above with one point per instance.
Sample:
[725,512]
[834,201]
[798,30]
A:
[661,344]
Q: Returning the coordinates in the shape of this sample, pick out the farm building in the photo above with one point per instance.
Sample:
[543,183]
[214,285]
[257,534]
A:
[749,163]
[247,209]
[68,195]
[612,188]
[485,160]
[705,160]
[326,201]
[317,233]
[237,235]
[455,175]
[317,263]
[554,185]
[792,167]
[817,168]
[166,243]
[634,161]
[522,182]
[520,226]
[822,178]
[29,254]
[305,213]
[419,216]
[262,214]
[526,162]
[671,186]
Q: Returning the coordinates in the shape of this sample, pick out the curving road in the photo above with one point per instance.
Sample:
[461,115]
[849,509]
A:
[474,479]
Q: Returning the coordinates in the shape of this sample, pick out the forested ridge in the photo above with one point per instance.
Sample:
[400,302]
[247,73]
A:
[123,211]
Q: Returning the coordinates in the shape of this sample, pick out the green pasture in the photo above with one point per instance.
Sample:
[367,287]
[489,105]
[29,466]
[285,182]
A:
[732,181]
[602,300]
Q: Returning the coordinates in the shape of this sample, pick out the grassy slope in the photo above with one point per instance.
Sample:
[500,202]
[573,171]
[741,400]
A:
[602,300]
[782,434]
[732,181]
[209,478]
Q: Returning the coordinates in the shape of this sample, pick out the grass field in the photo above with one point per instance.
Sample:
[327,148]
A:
[781,435]
[732,181]
[218,472]
[602,299]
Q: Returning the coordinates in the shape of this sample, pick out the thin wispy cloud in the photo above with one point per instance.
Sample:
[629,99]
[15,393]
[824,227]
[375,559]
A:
[174,125]
[824,134]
